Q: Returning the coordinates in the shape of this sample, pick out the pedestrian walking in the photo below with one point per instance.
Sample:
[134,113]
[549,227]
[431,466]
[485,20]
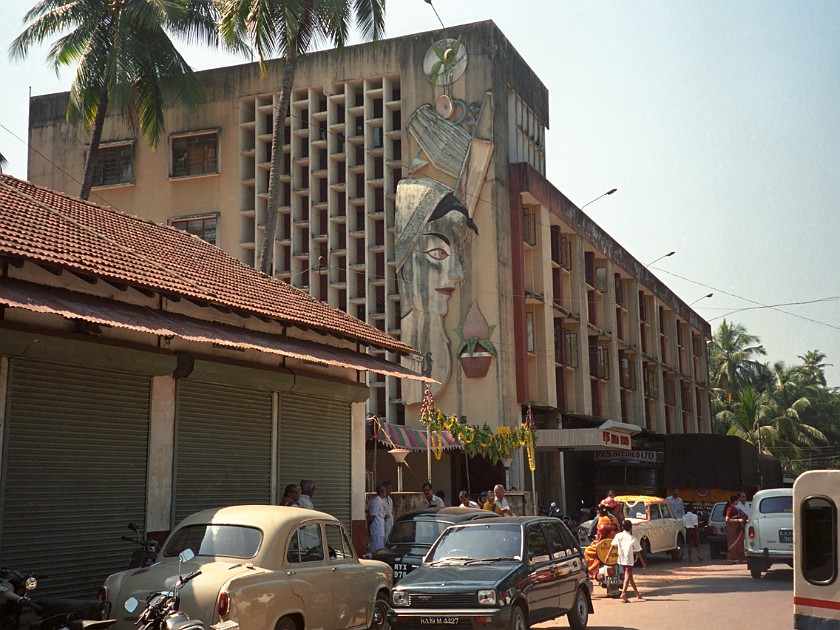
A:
[692,532]
[627,546]
[735,520]
[465,500]
[376,520]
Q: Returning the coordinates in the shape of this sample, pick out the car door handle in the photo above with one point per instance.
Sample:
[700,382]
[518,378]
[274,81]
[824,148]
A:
[290,572]
[334,569]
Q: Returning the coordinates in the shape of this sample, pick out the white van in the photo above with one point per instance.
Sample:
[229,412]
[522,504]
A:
[816,588]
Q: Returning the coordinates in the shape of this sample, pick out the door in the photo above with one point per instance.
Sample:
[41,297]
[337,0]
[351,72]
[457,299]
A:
[568,563]
[542,581]
[658,533]
[311,576]
[352,593]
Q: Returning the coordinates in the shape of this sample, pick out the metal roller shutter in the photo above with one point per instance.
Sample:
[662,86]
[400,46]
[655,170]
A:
[315,444]
[223,452]
[75,472]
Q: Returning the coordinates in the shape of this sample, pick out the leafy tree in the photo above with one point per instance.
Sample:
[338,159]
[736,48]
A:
[123,58]
[288,28]
[731,356]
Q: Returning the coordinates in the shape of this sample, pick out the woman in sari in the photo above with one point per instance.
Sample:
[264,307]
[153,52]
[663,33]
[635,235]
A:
[735,520]
[608,526]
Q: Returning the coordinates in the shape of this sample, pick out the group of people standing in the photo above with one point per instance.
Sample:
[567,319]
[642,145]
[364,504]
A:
[296,495]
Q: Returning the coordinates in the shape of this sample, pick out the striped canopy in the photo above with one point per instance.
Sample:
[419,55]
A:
[400,436]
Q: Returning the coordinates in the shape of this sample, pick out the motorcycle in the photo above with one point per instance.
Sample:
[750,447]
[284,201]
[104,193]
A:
[147,555]
[162,610]
[19,611]
[554,510]
[610,575]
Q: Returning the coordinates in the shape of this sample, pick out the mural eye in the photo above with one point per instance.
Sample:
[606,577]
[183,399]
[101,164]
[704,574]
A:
[437,253]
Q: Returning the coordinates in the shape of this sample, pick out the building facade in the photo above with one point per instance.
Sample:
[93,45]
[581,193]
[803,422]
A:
[414,197]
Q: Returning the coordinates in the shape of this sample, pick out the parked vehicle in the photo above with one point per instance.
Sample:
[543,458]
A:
[414,533]
[147,554]
[497,573]
[263,566]
[716,531]
[653,525]
[162,609]
[769,534]
[816,544]
[20,611]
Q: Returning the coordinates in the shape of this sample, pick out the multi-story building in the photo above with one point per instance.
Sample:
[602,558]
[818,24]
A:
[414,197]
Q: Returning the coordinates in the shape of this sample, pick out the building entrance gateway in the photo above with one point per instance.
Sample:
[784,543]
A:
[74,471]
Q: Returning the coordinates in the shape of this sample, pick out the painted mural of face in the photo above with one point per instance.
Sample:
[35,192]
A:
[435,267]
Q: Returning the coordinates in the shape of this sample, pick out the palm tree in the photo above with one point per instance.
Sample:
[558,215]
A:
[748,419]
[288,28]
[123,59]
[731,353]
[813,366]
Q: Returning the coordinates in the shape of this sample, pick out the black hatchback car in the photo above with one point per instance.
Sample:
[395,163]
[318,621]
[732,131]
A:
[414,533]
[498,573]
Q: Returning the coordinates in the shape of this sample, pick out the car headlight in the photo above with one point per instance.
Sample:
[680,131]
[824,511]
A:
[399,598]
[487,597]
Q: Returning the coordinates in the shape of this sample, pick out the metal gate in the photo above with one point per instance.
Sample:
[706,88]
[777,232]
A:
[74,472]
[315,444]
[223,447]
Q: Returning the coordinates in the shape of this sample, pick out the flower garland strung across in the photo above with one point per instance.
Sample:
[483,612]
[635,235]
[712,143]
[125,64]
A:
[478,440]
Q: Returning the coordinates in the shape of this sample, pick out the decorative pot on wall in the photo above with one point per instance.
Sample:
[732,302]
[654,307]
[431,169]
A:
[476,350]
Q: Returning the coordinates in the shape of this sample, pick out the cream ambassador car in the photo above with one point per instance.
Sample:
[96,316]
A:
[263,567]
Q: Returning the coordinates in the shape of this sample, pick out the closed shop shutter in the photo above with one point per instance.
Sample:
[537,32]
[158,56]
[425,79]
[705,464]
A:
[315,444]
[74,472]
[223,447]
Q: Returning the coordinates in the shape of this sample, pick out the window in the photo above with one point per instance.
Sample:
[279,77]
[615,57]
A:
[340,548]
[556,543]
[537,546]
[232,541]
[204,227]
[195,154]
[819,540]
[529,332]
[305,545]
[114,165]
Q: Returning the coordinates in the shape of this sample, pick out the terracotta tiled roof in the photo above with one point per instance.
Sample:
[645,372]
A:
[51,228]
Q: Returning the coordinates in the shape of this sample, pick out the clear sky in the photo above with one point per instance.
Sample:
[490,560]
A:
[718,122]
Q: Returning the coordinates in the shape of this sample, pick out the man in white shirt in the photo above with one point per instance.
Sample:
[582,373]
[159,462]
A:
[430,499]
[676,504]
[376,518]
[465,500]
[389,509]
[742,504]
[500,504]
[626,544]
[692,532]
[307,489]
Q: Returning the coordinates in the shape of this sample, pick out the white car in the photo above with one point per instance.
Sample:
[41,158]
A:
[769,534]
[654,526]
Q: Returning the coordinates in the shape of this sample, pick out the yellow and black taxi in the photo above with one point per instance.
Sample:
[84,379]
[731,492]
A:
[507,572]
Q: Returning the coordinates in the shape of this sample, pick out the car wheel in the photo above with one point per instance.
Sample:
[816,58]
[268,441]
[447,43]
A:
[286,623]
[755,573]
[579,614]
[380,613]
[677,553]
[517,619]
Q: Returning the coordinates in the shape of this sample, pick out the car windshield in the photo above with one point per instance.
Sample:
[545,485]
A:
[478,542]
[717,512]
[232,541]
[635,510]
[420,532]
[776,505]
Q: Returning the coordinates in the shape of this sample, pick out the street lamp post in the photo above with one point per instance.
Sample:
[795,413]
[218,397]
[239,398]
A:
[660,258]
[703,297]
[609,192]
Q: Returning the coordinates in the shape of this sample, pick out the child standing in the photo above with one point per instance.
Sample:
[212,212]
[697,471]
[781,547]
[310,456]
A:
[627,544]
[692,532]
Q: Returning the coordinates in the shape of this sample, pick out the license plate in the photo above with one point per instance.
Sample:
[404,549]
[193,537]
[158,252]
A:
[613,580]
[401,570]
[439,621]
[786,535]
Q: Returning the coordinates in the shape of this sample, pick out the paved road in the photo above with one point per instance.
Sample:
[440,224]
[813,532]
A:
[684,596]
